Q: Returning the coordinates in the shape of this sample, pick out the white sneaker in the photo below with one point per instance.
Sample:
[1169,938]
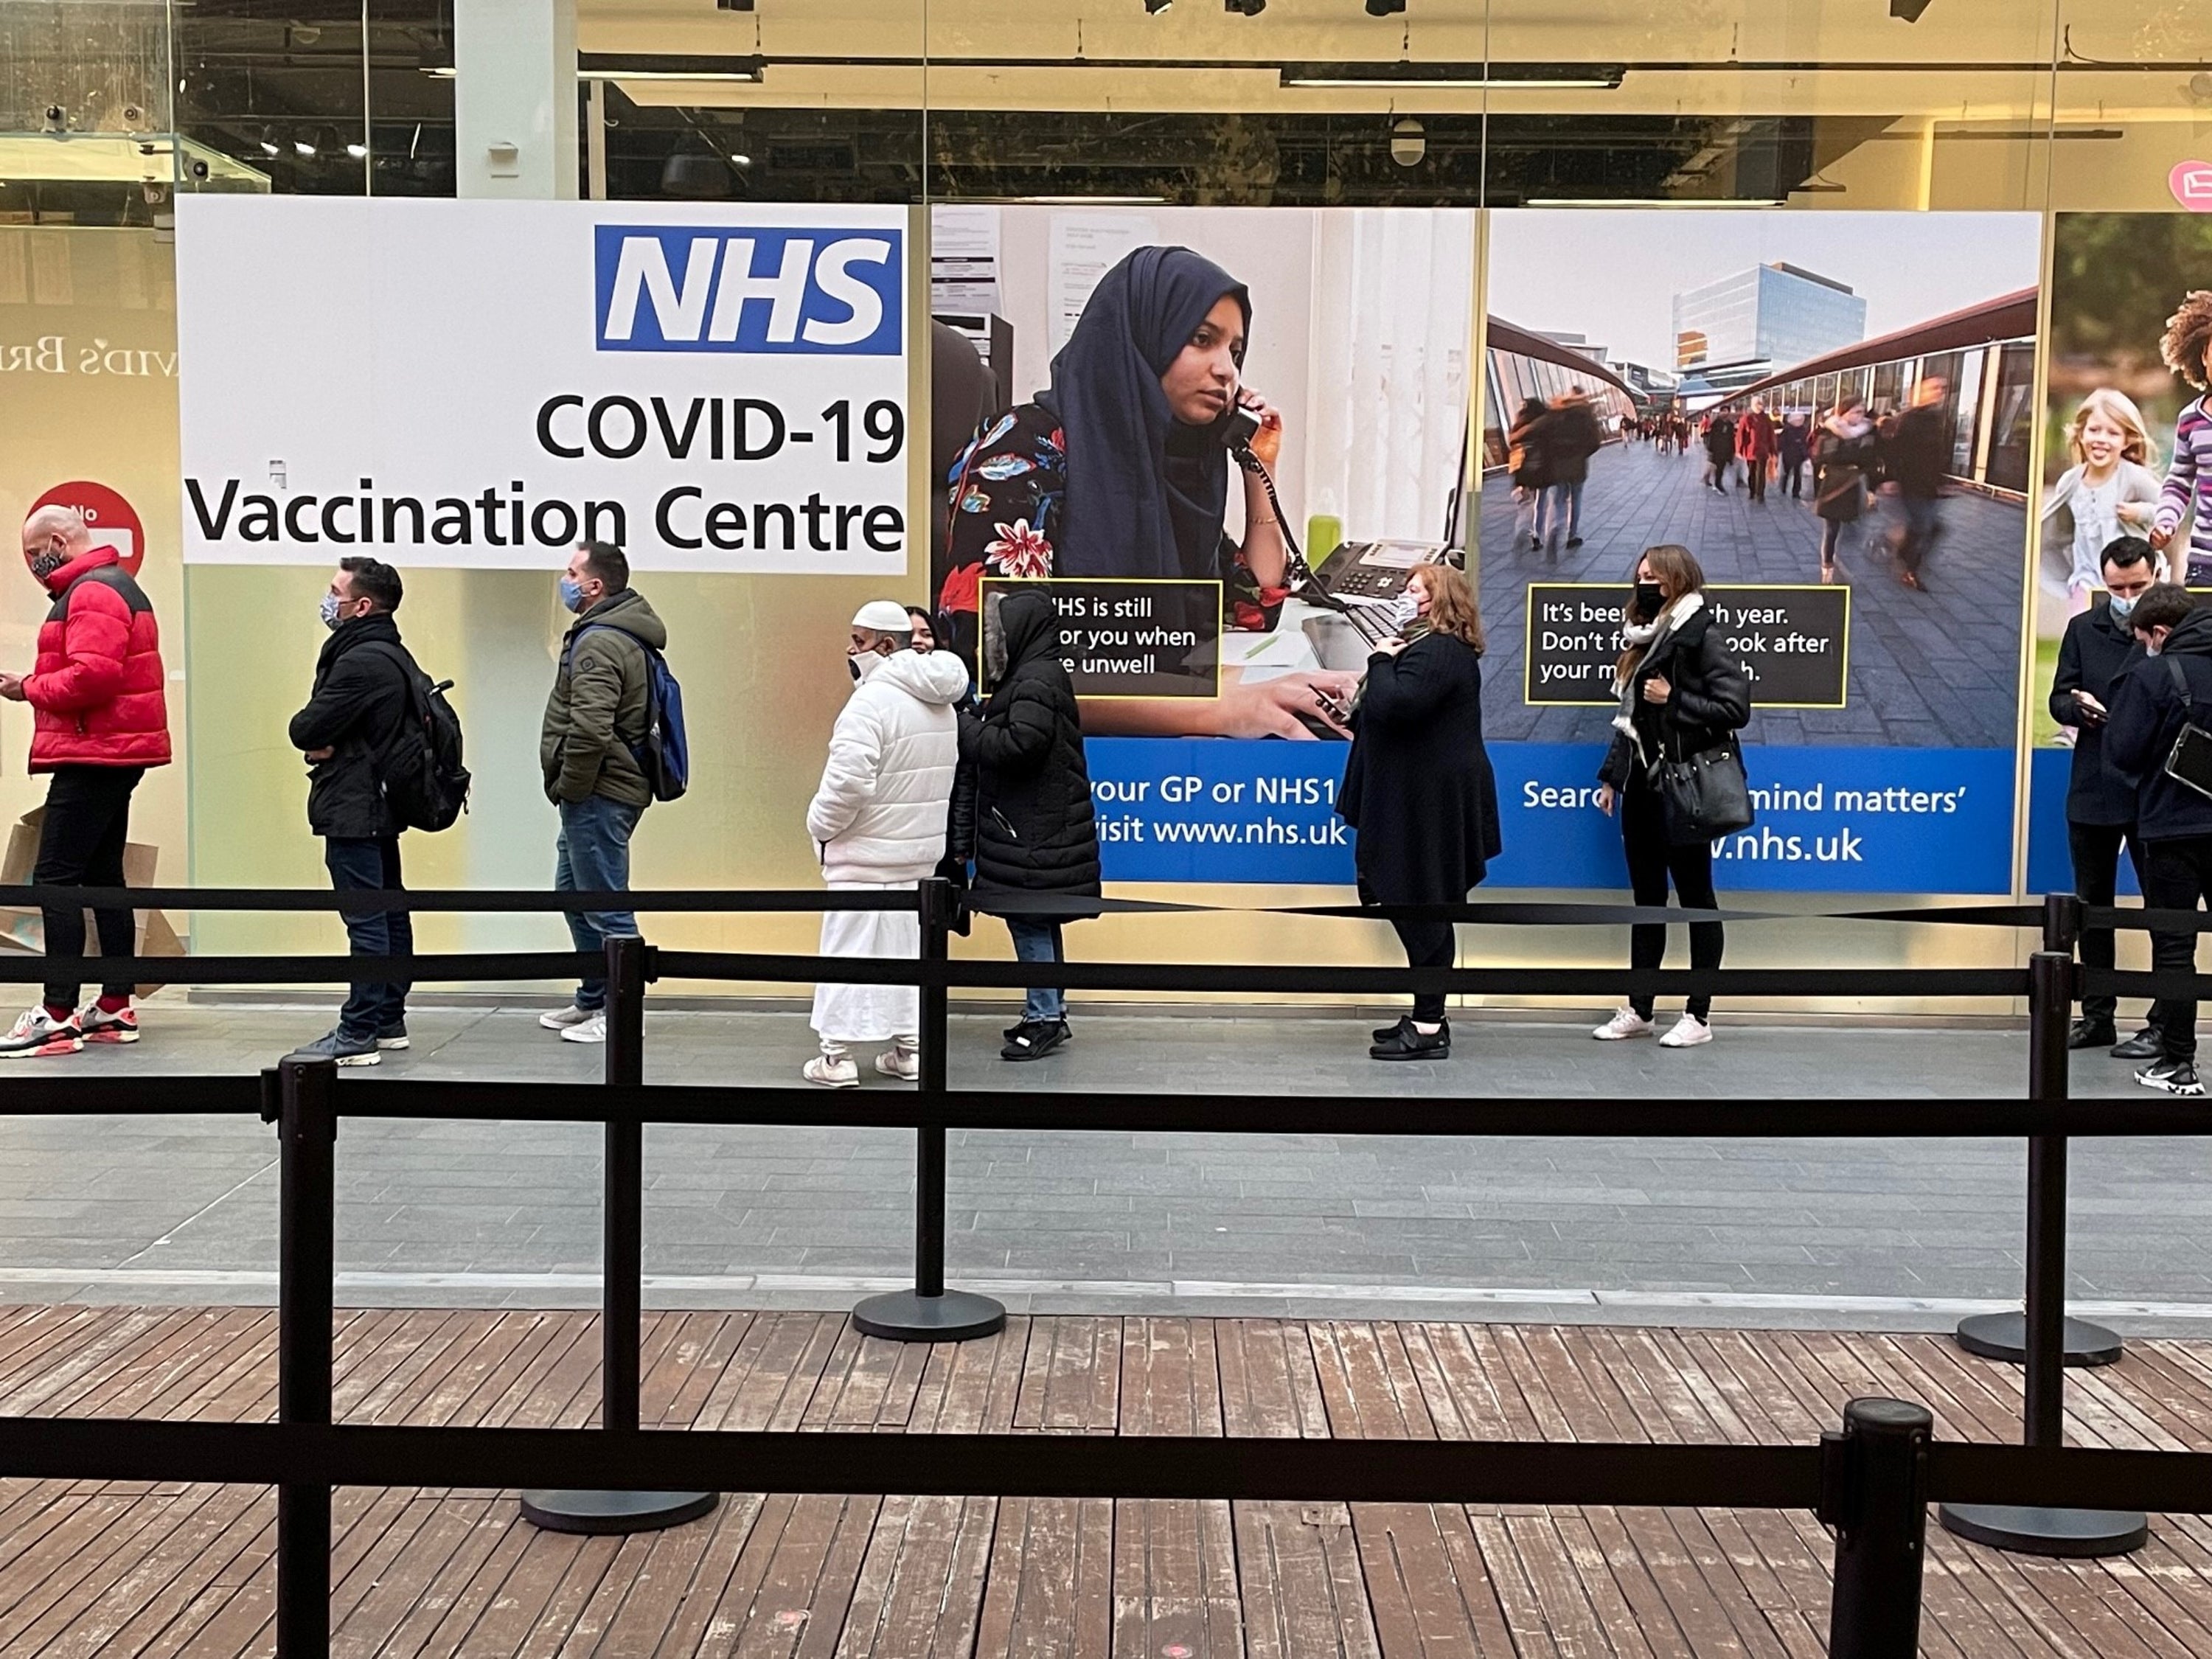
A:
[1625,1023]
[839,1074]
[37,1035]
[903,1064]
[1689,1031]
[562,1019]
[592,1028]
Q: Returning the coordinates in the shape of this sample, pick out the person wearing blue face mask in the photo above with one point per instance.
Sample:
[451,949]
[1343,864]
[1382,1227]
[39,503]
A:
[2100,802]
[589,747]
[348,733]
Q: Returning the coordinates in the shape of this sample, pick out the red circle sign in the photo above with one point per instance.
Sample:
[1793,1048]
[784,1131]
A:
[113,520]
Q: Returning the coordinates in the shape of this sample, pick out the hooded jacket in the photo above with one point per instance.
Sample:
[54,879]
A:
[360,706]
[1026,816]
[599,707]
[879,813]
[97,687]
[2149,710]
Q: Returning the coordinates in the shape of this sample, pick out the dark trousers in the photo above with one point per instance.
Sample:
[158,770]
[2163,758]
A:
[371,865]
[1428,944]
[1758,478]
[2177,874]
[1921,526]
[1652,860]
[2096,851]
[1793,477]
[81,845]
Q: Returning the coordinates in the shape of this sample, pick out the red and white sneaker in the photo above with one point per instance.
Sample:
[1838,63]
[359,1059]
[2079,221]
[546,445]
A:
[37,1035]
[95,1024]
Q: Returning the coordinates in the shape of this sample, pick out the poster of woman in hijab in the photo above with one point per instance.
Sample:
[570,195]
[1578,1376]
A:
[1257,413]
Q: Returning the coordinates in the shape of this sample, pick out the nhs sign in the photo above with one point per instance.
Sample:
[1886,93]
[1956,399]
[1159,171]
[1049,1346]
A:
[812,290]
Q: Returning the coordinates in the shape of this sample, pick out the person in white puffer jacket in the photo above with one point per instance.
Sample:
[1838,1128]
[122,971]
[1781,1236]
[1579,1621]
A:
[878,820]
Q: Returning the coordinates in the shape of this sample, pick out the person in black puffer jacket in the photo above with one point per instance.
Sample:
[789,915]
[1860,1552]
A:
[1681,693]
[361,703]
[1021,805]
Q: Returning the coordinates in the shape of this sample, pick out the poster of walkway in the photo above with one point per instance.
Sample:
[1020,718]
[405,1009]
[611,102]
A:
[1085,362]
[2130,315]
[1883,651]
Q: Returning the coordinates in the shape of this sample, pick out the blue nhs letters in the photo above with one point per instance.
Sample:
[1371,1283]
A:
[816,289]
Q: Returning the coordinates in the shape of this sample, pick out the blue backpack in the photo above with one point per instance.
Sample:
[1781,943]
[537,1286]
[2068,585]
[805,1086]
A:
[664,755]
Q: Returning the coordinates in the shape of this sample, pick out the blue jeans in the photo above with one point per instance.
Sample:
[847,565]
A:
[371,864]
[1561,501]
[1038,941]
[594,857]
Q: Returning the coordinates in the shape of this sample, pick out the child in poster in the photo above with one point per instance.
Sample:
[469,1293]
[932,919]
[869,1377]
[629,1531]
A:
[2186,347]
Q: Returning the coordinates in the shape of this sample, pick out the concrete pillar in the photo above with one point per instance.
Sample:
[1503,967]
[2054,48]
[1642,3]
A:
[514,116]
[514,98]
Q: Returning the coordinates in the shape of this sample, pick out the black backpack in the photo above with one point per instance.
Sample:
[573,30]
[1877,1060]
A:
[424,782]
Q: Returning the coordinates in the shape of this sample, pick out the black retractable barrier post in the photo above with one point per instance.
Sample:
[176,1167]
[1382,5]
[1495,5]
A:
[1876,1498]
[2003,1336]
[306,1136]
[2039,1531]
[929,1312]
[622,1291]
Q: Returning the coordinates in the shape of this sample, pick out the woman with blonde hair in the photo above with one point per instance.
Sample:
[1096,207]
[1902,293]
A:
[2109,492]
[1418,792]
[1683,694]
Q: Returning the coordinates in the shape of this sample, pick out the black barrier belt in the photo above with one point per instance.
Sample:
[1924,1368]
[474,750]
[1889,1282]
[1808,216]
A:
[1239,1469]
[1248,978]
[2125,982]
[1470,1117]
[2100,918]
[1065,908]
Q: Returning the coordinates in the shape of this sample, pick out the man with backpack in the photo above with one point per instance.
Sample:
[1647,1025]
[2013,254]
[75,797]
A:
[612,744]
[361,725]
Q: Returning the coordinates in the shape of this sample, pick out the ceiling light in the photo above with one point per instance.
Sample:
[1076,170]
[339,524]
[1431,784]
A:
[1653,202]
[1385,8]
[1244,7]
[740,158]
[1541,77]
[1154,7]
[301,146]
[269,144]
[1907,11]
[734,5]
[358,150]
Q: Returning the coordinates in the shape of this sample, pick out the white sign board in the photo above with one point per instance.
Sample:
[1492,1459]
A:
[484,384]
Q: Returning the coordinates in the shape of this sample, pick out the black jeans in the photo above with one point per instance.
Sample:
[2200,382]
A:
[81,845]
[1428,944]
[2177,874]
[367,864]
[1652,859]
[1758,468]
[2096,851]
[1793,477]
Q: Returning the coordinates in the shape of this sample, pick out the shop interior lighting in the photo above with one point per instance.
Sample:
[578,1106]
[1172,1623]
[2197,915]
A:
[1244,7]
[1653,202]
[1540,77]
[740,158]
[1154,7]
[358,150]
[1907,11]
[1385,8]
[303,146]
[269,144]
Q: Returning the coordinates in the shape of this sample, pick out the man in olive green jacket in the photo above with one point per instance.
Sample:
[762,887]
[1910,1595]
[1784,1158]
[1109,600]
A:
[596,716]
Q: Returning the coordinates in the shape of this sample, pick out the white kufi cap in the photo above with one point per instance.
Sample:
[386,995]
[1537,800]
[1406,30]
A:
[884,616]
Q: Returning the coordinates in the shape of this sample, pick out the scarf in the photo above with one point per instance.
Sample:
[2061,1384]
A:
[1146,494]
[1648,635]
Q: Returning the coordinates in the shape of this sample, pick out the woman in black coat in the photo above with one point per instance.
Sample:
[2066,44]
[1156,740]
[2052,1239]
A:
[1418,789]
[1681,693]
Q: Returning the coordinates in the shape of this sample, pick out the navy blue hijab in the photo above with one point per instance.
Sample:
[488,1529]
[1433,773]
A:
[1145,493]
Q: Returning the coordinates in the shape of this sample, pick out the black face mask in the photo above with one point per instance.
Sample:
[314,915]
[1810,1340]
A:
[1649,600]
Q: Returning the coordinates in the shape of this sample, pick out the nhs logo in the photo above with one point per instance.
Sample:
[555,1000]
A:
[820,290]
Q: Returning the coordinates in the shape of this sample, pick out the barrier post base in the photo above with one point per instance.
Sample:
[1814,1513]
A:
[2003,1337]
[910,1317]
[607,1512]
[2077,1534]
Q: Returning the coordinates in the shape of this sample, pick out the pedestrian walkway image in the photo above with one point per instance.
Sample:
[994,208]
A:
[1933,668]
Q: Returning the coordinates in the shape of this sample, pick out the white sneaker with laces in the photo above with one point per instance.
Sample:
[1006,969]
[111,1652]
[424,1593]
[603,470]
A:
[903,1064]
[37,1035]
[1689,1031]
[592,1028]
[837,1074]
[1625,1022]
[562,1019]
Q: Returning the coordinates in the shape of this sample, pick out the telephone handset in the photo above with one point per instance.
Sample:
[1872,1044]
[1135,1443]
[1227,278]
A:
[1234,429]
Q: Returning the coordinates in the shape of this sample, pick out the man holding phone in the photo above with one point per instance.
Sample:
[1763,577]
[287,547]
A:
[2100,803]
[2154,703]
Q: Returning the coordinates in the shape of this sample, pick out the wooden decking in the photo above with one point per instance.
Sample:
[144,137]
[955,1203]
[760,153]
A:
[113,1570]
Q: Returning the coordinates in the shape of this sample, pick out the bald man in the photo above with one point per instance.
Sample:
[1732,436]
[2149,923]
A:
[100,720]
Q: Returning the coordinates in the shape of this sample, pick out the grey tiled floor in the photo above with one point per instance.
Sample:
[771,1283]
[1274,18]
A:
[1850,1232]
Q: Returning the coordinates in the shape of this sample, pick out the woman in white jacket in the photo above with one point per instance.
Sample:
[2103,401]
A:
[877,819]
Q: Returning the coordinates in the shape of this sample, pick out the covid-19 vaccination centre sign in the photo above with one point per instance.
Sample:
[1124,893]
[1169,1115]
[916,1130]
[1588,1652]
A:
[482,385]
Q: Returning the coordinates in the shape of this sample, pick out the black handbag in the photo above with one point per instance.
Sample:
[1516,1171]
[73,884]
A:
[1705,795]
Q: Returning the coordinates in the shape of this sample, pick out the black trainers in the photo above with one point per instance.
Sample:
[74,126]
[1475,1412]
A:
[2175,1077]
[2145,1044]
[1067,1033]
[2092,1034]
[1574,541]
[1407,1043]
[1384,1033]
[1033,1039]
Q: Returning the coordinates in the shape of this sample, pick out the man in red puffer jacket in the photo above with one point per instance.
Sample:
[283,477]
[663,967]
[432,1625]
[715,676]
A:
[101,719]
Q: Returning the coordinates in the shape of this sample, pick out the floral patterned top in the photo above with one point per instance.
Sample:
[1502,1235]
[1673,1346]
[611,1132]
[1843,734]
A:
[1008,487]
